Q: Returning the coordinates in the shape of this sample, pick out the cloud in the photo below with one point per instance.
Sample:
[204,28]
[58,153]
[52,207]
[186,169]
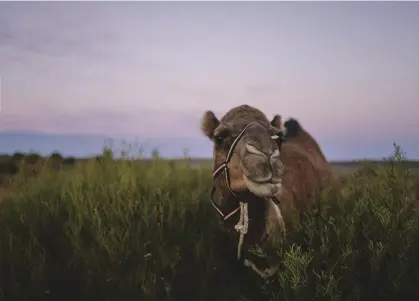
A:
[144,123]
[50,29]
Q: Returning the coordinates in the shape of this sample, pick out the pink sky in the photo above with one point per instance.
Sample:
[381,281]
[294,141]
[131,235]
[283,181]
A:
[152,69]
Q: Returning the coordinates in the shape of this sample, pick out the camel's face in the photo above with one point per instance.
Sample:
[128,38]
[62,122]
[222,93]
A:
[255,164]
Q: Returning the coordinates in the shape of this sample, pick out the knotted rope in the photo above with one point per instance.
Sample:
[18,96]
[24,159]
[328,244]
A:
[242,226]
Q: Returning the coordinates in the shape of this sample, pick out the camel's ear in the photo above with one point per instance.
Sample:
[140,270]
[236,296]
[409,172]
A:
[277,121]
[209,123]
[278,124]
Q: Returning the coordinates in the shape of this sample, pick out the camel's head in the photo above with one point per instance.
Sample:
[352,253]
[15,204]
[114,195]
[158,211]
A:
[254,164]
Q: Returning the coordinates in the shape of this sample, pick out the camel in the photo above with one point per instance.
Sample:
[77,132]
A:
[259,165]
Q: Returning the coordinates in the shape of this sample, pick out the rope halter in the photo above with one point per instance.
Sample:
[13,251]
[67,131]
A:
[243,223]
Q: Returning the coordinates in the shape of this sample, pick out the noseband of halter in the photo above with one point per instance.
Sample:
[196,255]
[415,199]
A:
[225,167]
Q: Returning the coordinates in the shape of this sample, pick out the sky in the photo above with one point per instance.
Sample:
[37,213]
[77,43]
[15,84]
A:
[348,71]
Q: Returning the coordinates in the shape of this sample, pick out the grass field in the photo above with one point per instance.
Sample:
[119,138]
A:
[104,229]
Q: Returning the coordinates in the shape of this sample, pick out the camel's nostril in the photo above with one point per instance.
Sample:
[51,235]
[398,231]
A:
[262,151]
[253,150]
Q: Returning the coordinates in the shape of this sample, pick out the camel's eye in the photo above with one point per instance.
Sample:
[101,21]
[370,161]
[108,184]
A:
[220,134]
[218,139]
[276,134]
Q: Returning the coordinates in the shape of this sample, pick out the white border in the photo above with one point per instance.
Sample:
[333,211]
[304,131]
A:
[210,1]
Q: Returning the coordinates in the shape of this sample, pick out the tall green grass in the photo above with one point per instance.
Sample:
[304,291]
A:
[127,230]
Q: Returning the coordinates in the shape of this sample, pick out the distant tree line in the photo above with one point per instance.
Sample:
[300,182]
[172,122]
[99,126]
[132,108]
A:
[11,165]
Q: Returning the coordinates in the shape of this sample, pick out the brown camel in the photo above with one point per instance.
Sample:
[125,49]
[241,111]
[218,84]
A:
[259,165]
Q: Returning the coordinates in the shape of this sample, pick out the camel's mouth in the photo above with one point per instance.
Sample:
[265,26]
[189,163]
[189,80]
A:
[263,189]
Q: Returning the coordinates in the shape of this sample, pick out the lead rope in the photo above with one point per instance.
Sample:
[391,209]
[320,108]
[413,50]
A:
[242,226]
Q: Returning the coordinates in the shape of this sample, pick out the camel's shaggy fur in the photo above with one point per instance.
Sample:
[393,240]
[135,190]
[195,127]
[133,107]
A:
[301,166]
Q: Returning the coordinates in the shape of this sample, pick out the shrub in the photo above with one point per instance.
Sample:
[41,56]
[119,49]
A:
[56,156]
[7,169]
[18,156]
[123,230]
[32,158]
[69,161]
